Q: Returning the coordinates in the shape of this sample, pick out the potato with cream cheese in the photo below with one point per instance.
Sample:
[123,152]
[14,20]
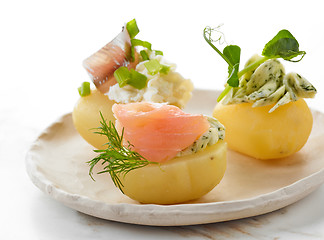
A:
[86,117]
[123,74]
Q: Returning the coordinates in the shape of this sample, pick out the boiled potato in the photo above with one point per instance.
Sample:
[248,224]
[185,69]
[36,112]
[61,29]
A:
[263,135]
[86,116]
[177,180]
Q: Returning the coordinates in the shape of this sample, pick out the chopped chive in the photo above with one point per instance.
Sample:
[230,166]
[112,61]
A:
[132,54]
[122,76]
[165,69]
[144,55]
[153,66]
[158,52]
[132,28]
[84,90]
[137,42]
[137,80]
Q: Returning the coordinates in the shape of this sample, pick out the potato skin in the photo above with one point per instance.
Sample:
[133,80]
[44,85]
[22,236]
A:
[263,135]
[178,180]
[86,116]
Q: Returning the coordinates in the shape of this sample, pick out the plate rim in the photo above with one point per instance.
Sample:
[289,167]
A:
[76,201]
[118,211]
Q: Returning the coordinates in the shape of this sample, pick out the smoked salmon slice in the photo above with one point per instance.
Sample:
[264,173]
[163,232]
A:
[102,64]
[158,131]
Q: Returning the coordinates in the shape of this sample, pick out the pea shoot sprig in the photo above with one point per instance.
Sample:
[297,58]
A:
[283,45]
[118,159]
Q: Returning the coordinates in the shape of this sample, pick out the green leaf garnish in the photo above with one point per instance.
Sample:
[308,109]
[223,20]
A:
[233,54]
[132,28]
[233,79]
[84,90]
[117,159]
[131,77]
[208,37]
[283,45]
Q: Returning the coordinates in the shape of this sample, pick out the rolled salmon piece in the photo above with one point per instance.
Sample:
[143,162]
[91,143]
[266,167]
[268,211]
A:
[102,64]
[158,131]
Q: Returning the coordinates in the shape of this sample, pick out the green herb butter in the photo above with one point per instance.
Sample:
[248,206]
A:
[215,133]
[268,84]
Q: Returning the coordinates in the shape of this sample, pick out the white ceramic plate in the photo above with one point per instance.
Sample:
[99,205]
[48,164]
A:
[56,163]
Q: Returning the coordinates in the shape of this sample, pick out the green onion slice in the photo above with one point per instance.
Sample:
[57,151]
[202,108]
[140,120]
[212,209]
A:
[144,55]
[132,54]
[137,80]
[84,90]
[132,28]
[137,42]
[158,52]
[165,69]
[122,76]
[153,66]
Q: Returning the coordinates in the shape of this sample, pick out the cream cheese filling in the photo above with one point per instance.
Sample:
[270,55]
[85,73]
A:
[169,88]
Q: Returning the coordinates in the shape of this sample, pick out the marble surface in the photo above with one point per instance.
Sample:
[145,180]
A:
[42,47]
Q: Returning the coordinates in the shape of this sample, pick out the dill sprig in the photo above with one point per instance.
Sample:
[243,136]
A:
[117,158]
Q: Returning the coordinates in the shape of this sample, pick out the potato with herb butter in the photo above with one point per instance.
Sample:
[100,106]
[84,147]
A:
[263,135]
[262,107]
[267,116]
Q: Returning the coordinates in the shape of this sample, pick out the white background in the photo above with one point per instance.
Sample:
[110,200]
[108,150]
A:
[42,47]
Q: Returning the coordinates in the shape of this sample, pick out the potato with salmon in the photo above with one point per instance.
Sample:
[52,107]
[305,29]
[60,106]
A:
[153,151]
[178,180]
[159,154]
